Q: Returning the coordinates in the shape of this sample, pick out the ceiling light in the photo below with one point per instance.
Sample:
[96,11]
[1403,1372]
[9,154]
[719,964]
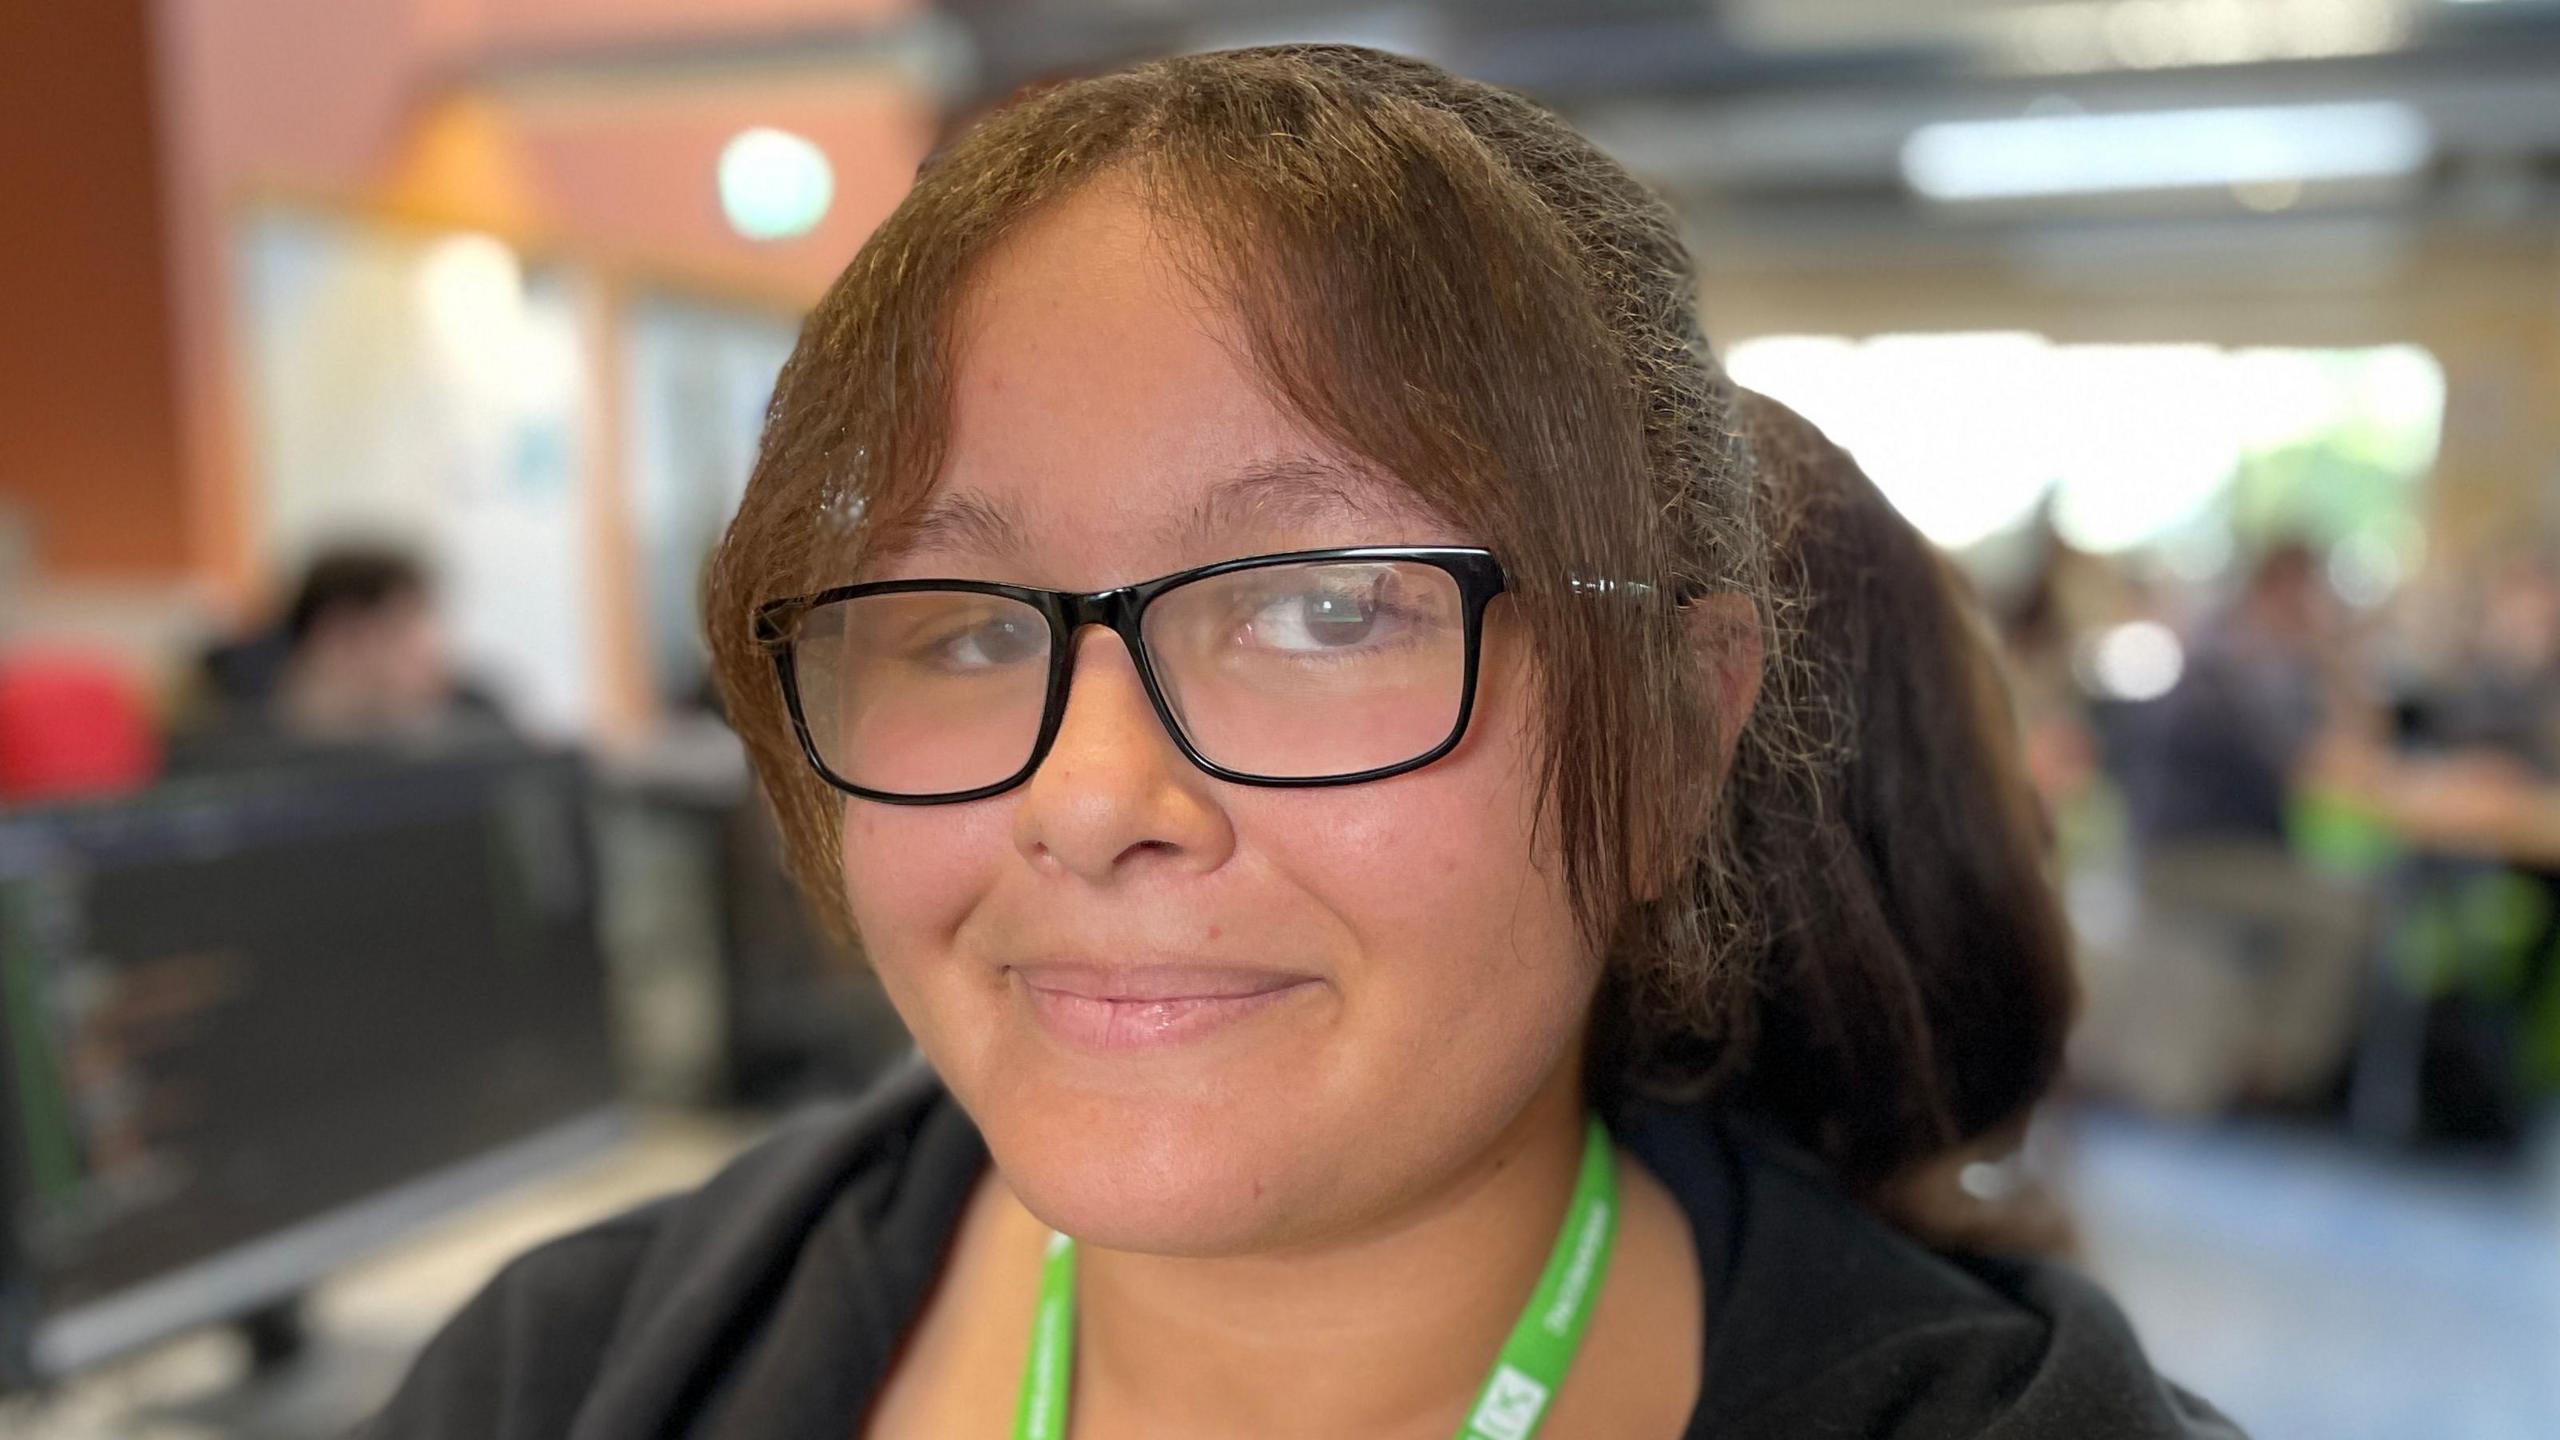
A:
[2164,150]
[774,184]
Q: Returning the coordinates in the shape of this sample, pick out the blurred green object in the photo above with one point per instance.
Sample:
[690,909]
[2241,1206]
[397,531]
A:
[2473,935]
[2485,934]
[2488,937]
[2336,833]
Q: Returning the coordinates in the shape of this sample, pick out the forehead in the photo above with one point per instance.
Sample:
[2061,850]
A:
[1107,414]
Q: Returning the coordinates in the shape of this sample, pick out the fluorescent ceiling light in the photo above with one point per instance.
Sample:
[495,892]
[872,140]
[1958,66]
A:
[2164,150]
[2088,36]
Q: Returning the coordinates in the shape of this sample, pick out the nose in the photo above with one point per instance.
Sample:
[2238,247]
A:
[1115,795]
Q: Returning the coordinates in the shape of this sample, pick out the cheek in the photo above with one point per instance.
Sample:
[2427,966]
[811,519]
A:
[1414,857]
[1462,922]
[912,873]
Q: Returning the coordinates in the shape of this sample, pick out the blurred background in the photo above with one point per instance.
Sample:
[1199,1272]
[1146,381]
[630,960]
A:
[379,893]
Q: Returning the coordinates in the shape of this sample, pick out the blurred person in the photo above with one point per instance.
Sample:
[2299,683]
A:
[2039,634]
[2275,948]
[366,652]
[2229,741]
[1439,889]
[2504,701]
[2471,798]
[358,658]
[2045,624]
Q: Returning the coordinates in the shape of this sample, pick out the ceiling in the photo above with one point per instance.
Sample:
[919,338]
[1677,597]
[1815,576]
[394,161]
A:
[1787,121]
[1791,116]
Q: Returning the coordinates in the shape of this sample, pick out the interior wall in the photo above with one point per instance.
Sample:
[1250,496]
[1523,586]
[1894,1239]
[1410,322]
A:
[89,447]
[328,99]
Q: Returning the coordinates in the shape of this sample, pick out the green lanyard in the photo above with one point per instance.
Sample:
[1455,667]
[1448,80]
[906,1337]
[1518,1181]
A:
[1515,1395]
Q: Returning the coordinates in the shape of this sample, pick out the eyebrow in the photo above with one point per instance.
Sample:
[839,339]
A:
[1295,492]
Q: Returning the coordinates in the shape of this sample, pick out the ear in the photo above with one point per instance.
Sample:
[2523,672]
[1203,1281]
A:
[1723,634]
[1724,643]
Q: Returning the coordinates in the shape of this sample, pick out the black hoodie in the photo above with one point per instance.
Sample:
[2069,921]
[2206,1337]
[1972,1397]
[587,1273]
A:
[766,1304]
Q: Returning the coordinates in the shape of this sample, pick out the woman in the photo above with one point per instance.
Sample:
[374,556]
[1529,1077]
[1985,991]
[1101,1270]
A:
[1353,991]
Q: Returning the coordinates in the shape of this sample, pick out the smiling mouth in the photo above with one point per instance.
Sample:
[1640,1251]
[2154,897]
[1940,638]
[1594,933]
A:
[1118,1009]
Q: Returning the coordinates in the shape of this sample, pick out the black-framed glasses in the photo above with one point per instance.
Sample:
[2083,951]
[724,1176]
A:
[1315,667]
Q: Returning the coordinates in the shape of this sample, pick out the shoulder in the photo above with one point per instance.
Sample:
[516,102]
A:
[558,1302]
[628,1317]
[1832,1322]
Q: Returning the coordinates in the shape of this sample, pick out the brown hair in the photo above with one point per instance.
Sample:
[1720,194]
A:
[1916,984]
[351,580]
[1450,283]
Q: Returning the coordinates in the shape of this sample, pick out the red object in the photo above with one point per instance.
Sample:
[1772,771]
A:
[71,727]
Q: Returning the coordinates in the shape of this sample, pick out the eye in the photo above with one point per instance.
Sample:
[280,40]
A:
[1330,615]
[991,643]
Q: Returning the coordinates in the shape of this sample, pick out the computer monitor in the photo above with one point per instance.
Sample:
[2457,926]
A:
[255,1025]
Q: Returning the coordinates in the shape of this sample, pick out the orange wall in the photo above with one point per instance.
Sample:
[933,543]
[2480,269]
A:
[634,182]
[89,448]
[590,21]
[325,97]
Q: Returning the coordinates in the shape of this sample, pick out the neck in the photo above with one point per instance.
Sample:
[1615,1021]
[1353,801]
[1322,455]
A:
[1386,1330]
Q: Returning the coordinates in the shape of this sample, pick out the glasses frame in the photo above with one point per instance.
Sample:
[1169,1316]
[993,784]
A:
[1122,610]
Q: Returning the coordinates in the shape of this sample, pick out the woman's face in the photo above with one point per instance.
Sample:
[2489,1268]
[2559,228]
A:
[1420,976]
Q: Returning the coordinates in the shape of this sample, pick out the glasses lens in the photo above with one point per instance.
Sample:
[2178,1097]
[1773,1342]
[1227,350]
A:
[1316,669]
[923,692]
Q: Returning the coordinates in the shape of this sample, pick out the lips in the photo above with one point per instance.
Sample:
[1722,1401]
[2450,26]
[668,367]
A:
[1147,1006]
[1152,982]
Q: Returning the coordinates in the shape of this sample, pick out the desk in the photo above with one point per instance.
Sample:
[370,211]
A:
[2446,819]
[365,1324]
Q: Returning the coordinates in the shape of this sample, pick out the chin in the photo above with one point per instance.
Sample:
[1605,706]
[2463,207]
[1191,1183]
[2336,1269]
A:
[1269,1135]
[1193,1175]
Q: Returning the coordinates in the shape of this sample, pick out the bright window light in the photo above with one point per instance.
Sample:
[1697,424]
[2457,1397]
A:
[2045,155]
[1912,408]
[2131,446]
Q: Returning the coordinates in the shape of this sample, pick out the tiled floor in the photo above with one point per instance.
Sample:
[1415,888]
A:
[2314,1290]
[2317,1290]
